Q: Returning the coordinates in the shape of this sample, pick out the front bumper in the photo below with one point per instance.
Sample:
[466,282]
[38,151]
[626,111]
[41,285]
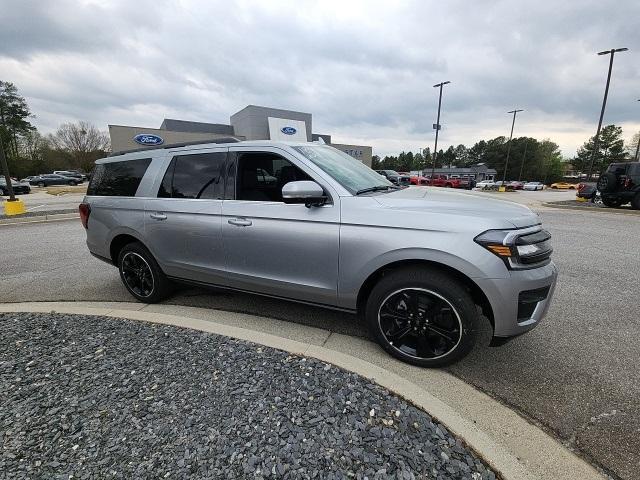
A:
[504,297]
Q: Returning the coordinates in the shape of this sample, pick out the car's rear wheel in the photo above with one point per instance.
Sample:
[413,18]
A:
[72,183]
[41,184]
[2,192]
[422,316]
[611,202]
[141,274]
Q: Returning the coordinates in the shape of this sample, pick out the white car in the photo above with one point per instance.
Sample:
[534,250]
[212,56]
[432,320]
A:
[485,183]
[533,186]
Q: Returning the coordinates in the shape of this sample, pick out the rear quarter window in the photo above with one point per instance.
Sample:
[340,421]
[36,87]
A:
[118,179]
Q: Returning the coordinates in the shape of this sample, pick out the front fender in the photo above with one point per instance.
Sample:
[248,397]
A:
[351,281]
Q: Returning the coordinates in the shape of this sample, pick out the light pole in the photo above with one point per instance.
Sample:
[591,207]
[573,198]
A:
[5,173]
[437,127]
[506,163]
[596,141]
[526,145]
[638,147]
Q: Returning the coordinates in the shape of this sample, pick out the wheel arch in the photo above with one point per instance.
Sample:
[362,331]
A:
[118,243]
[475,291]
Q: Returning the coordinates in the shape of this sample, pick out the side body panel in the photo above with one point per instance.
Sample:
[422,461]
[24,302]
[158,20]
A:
[283,250]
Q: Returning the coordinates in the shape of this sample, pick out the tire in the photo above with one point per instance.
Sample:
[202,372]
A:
[611,202]
[2,194]
[554,188]
[390,307]
[41,184]
[141,274]
[72,183]
[635,202]
[607,182]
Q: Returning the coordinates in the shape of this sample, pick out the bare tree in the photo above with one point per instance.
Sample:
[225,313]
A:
[84,142]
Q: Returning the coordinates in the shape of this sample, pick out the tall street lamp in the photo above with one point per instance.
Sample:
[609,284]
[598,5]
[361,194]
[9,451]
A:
[526,145]
[506,163]
[596,142]
[638,147]
[437,127]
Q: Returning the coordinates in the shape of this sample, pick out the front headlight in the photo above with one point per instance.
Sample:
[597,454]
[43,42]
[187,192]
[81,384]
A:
[525,248]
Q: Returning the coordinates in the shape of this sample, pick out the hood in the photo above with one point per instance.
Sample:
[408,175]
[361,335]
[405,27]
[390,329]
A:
[448,202]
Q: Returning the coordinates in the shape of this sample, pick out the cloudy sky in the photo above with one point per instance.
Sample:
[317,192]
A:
[364,69]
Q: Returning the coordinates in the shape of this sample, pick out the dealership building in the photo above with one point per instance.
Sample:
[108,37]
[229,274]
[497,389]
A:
[251,123]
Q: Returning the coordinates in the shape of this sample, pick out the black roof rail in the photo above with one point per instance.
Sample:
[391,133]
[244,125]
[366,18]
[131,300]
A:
[178,145]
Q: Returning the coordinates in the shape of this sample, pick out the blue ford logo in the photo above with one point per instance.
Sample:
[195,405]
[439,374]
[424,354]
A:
[148,139]
[288,130]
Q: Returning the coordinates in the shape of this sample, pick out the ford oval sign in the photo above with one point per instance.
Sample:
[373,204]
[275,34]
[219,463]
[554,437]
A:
[288,130]
[148,139]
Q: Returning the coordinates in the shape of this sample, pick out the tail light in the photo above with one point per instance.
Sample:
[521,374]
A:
[85,211]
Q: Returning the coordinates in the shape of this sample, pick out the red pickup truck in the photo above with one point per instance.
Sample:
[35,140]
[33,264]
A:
[443,181]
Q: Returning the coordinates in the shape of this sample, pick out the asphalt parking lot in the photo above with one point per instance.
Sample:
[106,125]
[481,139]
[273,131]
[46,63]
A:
[39,200]
[576,374]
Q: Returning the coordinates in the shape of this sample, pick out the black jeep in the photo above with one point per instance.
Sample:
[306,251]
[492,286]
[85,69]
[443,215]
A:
[620,184]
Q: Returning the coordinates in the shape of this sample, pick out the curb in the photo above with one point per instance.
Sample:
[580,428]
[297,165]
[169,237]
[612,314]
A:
[38,218]
[507,442]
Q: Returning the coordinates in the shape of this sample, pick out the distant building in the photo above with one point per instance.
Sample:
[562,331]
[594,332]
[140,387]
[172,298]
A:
[478,172]
[251,123]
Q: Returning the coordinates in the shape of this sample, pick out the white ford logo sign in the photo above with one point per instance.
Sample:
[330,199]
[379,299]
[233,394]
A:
[288,130]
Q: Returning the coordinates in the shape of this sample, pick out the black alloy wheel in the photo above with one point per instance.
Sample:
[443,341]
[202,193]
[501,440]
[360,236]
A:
[422,316]
[41,184]
[137,274]
[141,274]
[420,323]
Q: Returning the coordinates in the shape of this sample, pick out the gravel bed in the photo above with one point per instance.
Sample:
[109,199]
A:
[97,397]
[40,213]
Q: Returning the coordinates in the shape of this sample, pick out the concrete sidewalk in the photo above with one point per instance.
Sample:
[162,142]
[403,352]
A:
[509,444]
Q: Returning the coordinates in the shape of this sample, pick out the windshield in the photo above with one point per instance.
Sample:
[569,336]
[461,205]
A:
[353,175]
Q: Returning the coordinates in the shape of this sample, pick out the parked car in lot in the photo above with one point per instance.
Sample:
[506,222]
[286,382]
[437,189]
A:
[72,174]
[516,184]
[416,265]
[53,179]
[418,180]
[586,190]
[443,181]
[394,177]
[535,186]
[620,184]
[563,186]
[18,187]
[485,184]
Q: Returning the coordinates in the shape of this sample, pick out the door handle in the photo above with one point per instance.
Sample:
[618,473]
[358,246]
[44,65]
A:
[158,216]
[240,222]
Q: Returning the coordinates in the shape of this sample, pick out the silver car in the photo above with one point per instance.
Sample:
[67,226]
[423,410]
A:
[423,266]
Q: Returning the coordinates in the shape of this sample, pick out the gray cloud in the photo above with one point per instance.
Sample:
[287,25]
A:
[364,69]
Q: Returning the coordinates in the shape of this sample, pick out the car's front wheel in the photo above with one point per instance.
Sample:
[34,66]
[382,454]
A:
[422,316]
[41,184]
[141,274]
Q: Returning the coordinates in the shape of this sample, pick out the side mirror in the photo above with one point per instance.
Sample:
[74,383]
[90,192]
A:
[304,191]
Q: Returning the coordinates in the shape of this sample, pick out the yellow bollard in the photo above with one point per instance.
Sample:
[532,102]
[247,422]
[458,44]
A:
[502,189]
[14,208]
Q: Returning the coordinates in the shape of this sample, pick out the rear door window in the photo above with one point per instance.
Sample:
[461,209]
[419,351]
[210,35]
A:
[197,176]
[118,179]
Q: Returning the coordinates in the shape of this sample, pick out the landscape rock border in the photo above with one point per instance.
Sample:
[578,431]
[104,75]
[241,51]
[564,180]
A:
[511,446]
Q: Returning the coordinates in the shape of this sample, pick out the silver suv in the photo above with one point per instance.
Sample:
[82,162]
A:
[306,222]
